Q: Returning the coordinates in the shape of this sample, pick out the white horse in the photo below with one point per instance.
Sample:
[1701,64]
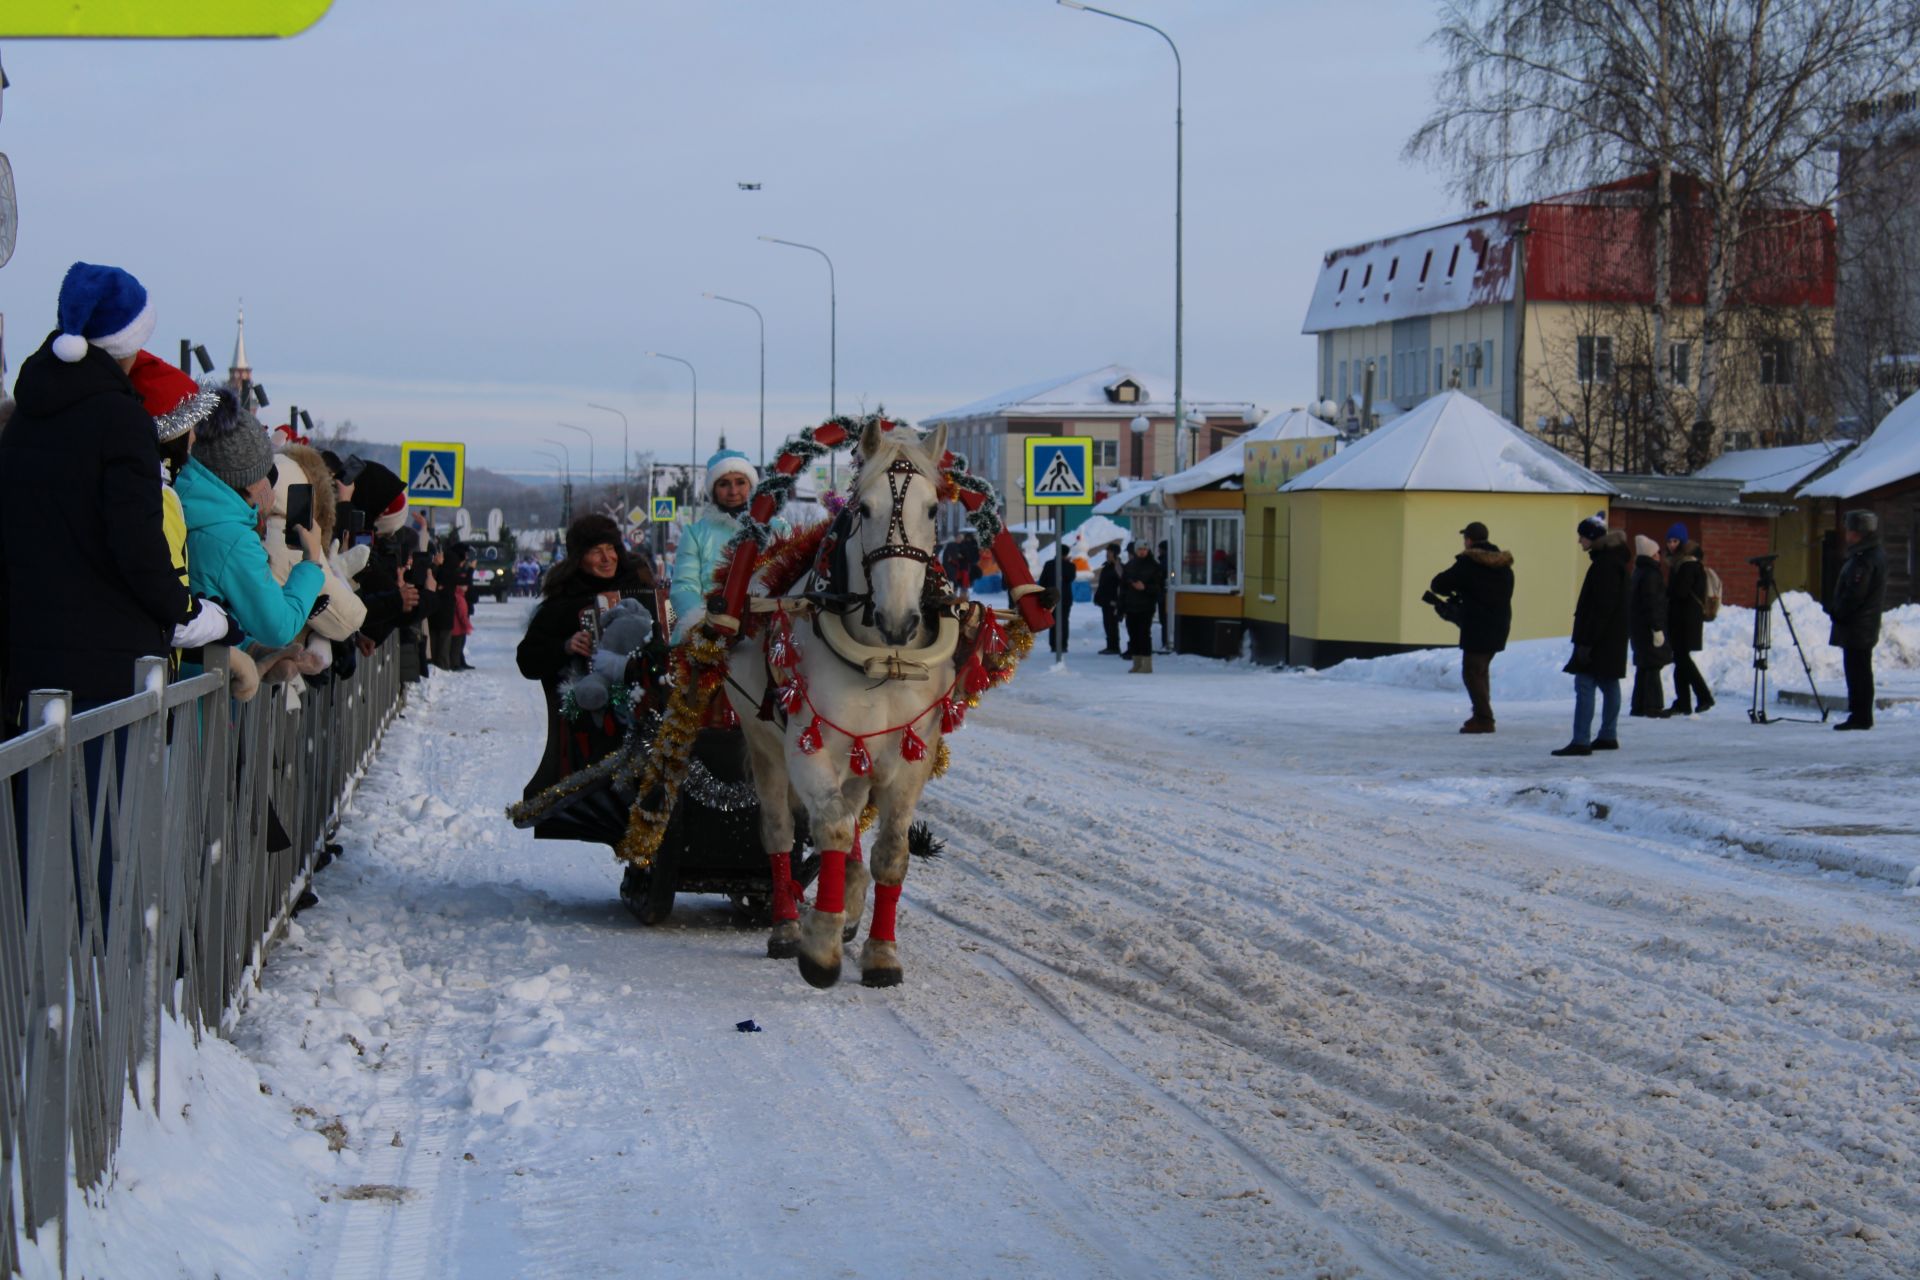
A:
[864,673]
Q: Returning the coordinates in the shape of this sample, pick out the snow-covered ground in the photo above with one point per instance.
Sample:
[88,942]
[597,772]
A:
[1224,972]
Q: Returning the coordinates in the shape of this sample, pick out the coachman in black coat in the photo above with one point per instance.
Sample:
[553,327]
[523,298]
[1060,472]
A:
[1647,628]
[1600,615]
[87,584]
[1859,595]
[1481,581]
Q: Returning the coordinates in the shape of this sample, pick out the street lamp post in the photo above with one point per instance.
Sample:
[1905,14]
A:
[833,339]
[589,435]
[566,488]
[626,458]
[763,367]
[694,443]
[1179,166]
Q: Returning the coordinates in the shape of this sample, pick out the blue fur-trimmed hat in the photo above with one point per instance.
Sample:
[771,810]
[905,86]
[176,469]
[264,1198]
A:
[730,462]
[102,307]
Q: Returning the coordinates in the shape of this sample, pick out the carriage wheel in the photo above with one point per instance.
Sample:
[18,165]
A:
[648,893]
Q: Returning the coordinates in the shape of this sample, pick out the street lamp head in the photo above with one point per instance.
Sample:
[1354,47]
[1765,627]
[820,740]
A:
[1139,425]
[1072,4]
[709,295]
[768,239]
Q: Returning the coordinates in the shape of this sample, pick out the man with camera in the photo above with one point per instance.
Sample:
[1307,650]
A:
[1476,595]
[1858,596]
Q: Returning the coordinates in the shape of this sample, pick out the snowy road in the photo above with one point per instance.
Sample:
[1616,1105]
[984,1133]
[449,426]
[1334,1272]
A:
[1223,973]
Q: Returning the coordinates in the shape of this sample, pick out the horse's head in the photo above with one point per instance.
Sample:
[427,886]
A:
[895,502]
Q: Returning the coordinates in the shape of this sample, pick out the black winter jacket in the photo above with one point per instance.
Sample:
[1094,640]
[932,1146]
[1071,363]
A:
[1647,614]
[1600,615]
[1481,579]
[1146,571]
[1049,580]
[1106,590]
[87,584]
[1687,601]
[1859,594]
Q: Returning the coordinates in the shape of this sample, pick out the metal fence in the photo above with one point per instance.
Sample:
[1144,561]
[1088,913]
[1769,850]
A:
[136,884]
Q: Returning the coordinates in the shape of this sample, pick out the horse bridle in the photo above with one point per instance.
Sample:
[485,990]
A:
[900,474]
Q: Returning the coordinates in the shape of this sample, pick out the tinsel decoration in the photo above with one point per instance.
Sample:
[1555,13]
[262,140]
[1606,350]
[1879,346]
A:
[858,758]
[698,656]
[912,747]
[868,816]
[942,757]
[809,740]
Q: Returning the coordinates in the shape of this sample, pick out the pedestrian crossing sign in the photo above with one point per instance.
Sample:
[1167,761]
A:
[1059,471]
[435,473]
[664,508]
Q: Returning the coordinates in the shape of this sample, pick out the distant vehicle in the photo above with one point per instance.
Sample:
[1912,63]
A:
[492,571]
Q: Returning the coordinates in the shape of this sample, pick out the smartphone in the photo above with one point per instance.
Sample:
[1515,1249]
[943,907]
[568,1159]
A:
[299,511]
[356,519]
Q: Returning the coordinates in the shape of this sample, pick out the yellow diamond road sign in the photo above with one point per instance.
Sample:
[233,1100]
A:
[1059,471]
[170,20]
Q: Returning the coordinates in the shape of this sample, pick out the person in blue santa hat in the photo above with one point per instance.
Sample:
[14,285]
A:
[730,482]
[87,582]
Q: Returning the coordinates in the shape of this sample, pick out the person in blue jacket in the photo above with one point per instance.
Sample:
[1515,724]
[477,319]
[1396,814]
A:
[223,489]
[731,478]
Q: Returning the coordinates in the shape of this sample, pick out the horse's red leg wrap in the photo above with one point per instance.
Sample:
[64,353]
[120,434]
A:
[786,900]
[830,890]
[886,898]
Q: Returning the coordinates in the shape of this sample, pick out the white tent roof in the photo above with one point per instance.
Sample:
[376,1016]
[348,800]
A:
[1891,454]
[1084,395]
[1229,461]
[1772,470]
[1451,443]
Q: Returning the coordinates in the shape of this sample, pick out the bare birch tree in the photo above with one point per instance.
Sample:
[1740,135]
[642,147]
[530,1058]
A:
[1743,95]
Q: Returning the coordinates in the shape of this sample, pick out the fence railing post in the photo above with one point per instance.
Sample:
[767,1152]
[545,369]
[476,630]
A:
[51,915]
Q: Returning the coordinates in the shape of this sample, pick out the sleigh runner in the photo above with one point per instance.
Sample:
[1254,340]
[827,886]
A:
[844,658]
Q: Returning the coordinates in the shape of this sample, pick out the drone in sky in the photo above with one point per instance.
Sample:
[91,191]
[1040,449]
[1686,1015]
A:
[748,186]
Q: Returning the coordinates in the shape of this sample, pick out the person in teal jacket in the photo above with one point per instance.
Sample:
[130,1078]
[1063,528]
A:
[731,478]
[219,489]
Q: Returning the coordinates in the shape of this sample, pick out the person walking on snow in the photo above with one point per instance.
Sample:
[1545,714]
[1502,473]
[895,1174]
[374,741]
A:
[1481,585]
[731,478]
[1599,659]
[1686,621]
[1858,597]
[1647,624]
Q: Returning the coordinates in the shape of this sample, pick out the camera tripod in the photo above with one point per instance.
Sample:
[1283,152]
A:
[1768,593]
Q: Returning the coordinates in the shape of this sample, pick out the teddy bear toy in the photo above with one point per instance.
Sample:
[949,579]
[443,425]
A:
[624,631]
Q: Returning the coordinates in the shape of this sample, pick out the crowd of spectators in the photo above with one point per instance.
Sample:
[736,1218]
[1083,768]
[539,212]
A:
[142,513]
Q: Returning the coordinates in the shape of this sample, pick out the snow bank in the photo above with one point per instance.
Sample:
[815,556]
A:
[1531,669]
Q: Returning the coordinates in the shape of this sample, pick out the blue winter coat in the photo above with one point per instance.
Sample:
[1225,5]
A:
[227,560]
[697,560]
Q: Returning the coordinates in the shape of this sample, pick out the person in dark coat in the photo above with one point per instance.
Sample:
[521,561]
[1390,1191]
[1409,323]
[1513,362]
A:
[440,620]
[87,580]
[1480,584]
[381,497]
[1859,595]
[1106,594]
[597,572]
[1686,621]
[1051,575]
[1142,583]
[1599,659]
[1647,630]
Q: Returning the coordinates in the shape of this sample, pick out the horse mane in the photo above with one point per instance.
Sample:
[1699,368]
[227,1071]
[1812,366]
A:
[903,440]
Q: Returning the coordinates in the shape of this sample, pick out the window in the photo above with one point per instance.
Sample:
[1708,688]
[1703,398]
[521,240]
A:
[1439,370]
[1595,358]
[1425,264]
[1343,382]
[1486,362]
[1210,551]
[1680,363]
[1459,371]
[1366,277]
[1343,281]
[1106,453]
[1393,269]
[1453,261]
[1776,362]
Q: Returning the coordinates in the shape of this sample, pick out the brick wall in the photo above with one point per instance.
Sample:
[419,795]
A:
[1727,538]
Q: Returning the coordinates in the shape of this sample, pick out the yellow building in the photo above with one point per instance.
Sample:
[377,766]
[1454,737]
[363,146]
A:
[1340,555]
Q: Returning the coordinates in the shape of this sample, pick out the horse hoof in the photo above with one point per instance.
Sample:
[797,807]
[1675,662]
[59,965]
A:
[880,977]
[818,975]
[783,943]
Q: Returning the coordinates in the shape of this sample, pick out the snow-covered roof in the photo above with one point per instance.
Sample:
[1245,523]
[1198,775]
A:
[1229,461]
[1775,470]
[1084,395]
[1891,454]
[1127,495]
[1461,264]
[1451,443]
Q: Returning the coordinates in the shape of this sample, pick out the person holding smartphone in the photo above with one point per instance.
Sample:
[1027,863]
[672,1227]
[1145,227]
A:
[225,490]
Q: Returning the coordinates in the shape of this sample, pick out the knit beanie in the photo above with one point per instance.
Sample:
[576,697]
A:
[102,307]
[1678,533]
[730,462]
[588,532]
[233,445]
[1645,546]
[381,496]
[1593,528]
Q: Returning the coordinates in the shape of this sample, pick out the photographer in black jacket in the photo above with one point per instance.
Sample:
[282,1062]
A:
[1859,594]
[1479,589]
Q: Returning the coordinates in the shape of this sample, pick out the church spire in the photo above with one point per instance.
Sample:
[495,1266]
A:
[240,373]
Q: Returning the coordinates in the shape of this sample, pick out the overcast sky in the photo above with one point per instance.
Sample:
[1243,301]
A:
[463,220]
